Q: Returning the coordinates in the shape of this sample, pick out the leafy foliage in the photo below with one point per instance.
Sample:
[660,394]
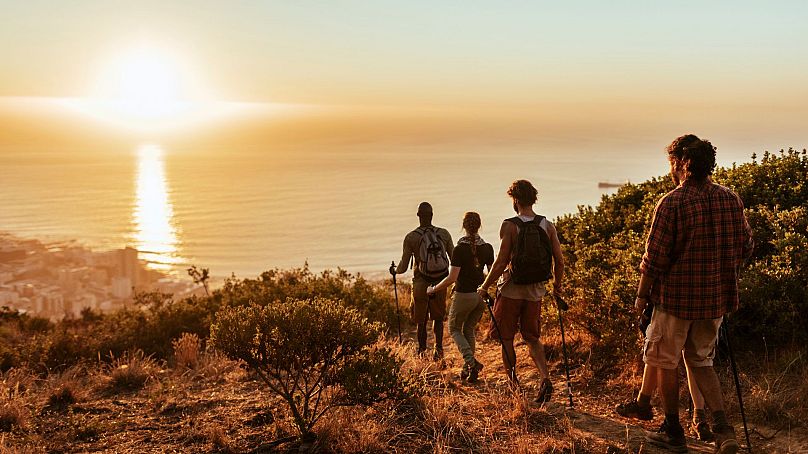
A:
[370,300]
[315,353]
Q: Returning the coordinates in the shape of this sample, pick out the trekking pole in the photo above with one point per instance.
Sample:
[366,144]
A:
[395,290]
[737,384]
[489,303]
[562,305]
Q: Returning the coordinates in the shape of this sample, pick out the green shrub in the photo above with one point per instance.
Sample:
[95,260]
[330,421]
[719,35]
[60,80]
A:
[316,354]
[372,301]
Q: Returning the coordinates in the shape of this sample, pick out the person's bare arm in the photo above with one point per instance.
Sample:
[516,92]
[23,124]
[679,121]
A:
[506,234]
[447,243]
[558,258]
[454,272]
[406,255]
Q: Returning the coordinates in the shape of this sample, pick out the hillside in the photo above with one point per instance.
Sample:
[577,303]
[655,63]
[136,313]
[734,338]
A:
[152,377]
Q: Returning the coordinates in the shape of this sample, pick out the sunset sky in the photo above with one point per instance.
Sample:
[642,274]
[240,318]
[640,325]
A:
[560,62]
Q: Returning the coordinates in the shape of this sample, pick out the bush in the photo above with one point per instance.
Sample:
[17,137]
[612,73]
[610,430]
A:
[316,354]
[372,301]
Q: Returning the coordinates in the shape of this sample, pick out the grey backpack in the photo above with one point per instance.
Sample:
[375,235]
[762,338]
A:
[432,258]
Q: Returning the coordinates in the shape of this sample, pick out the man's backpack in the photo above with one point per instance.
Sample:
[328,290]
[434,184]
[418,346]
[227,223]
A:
[432,258]
[532,259]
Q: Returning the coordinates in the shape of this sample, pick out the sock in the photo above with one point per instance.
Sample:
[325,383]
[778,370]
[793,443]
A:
[674,427]
[720,422]
[644,401]
[699,415]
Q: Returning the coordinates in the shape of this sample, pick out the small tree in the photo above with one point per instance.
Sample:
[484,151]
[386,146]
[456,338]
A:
[316,354]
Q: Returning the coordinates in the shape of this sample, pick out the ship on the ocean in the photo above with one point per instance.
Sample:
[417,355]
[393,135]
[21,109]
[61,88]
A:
[608,184]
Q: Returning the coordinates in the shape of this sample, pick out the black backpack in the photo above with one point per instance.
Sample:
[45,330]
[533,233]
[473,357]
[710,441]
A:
[532,259]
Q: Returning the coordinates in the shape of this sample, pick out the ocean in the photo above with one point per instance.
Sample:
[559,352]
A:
[245,210]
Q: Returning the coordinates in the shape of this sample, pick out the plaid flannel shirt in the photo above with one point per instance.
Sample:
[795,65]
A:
[698,241]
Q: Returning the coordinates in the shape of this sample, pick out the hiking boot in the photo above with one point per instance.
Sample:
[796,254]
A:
[725,442]
[475,371]
[634,410]
[668,438]
[702,430]
[545,391]
[437,355]
[464,372]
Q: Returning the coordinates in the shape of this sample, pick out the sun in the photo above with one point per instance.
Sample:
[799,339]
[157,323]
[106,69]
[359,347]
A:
[145,87]
[144,83]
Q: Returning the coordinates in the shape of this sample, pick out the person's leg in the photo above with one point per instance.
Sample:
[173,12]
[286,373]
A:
[695,393]
[458,316]
[437,309]
[649,385]
[503,327]
[419,311]
[699,354]
[530,327]
[665,339]
[470,327]
[698,422]
[640,408]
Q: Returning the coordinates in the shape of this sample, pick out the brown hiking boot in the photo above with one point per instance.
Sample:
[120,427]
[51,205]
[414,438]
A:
[668,437]
[545,391]
[702,431]
[634,410]
[474,371]
[725,442]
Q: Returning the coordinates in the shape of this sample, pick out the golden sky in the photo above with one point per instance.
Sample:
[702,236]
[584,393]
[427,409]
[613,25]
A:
[459,66]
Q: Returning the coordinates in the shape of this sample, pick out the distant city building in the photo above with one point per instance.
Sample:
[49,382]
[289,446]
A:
[121,287]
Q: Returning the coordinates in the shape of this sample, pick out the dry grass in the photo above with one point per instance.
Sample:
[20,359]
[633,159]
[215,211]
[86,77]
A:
[777,393]
[130,372]
[14,415]
[187,350]
[65,389]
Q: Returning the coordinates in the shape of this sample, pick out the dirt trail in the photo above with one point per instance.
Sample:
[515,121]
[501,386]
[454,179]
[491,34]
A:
[593,416]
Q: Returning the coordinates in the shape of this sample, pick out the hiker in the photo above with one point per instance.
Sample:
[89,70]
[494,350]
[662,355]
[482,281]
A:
[468,259]
[699,239]
[428,246]
[529,255]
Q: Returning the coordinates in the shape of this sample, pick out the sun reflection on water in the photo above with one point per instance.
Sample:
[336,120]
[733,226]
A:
[155,234]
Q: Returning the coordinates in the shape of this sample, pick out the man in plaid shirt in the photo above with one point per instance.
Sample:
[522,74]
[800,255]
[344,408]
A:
[698,241]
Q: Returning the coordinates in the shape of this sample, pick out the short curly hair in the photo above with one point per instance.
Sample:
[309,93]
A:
[695,155]
[523,192]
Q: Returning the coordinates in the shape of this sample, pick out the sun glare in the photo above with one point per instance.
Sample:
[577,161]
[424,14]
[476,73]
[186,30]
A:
[147,88]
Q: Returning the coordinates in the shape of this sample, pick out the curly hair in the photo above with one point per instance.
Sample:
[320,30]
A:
[523,192]
[696,156]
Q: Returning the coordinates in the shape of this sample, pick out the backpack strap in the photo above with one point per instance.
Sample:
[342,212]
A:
[516,220]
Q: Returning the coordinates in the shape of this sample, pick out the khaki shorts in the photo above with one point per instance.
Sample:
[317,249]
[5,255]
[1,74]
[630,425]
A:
[425,307]
[669,335]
